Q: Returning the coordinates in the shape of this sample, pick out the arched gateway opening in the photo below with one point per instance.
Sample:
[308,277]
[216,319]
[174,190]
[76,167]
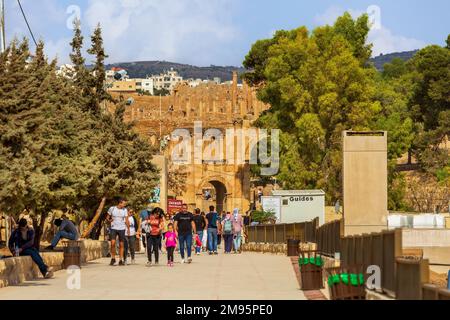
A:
[214,193]
[221,195]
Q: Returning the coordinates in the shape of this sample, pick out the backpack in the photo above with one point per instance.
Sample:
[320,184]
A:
[213,219]
[228,227]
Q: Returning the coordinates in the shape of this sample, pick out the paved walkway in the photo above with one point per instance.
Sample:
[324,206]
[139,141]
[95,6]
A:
[249,276]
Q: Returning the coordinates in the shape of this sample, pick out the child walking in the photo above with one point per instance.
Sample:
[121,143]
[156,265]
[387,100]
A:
[171,243]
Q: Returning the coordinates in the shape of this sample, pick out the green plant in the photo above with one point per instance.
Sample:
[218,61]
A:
[262,216]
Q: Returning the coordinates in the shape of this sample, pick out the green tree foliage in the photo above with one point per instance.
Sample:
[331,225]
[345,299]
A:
[318,85]
[99,93]
[263,217]
[430,107]
[44,163]
[58,150]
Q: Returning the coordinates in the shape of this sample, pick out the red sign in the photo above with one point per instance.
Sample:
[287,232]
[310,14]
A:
[174,206]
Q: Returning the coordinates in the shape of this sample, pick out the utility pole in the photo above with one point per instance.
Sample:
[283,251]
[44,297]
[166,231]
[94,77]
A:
[2,27]
[160,123]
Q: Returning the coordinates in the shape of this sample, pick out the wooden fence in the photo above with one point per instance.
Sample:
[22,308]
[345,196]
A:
[379,249]
[280,233]
[328,237]
[400,277]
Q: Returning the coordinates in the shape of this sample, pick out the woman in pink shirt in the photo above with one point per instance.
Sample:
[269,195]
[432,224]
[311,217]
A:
[238,223]
[171,243]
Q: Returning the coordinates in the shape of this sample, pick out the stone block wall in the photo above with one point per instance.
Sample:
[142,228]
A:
[16,270]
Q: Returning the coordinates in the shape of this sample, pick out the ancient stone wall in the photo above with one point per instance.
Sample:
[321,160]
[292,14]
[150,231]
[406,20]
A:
[218,106]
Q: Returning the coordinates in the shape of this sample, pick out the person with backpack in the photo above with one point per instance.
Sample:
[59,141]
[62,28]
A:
[155,224]
[200,225]
[213,229]
[227,232]
[238,223]
[131,234]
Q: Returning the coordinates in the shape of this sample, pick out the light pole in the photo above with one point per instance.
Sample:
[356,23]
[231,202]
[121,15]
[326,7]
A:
[160,123]
[2,27]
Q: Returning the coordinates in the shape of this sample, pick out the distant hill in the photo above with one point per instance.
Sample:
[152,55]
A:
[381,60]
[142,69]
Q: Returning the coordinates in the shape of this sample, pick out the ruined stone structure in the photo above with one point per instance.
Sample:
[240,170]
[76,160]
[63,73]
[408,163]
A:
[220,106]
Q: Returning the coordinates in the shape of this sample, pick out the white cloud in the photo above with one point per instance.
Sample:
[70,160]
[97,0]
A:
[58,49]
[199,32]
[383,39]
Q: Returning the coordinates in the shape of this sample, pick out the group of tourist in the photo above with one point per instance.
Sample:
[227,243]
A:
[184,231]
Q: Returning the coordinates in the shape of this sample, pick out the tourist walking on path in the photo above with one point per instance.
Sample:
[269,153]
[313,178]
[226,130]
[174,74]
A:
[213,230]
[238,223]
[227,232]
[184,226]
[21,243]
[155,226]
[131,234]
[117,215]
[143,217]
[66,230]
[200,225]
[171,243]
[205,234]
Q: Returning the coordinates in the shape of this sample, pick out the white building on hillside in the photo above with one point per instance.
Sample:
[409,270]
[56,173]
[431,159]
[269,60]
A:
[167,80]
[148,85]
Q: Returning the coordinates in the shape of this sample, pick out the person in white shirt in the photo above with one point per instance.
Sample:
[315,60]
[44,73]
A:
[117,216]
[131,234]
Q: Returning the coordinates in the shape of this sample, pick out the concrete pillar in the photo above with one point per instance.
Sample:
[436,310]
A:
[161,163]
[365,182]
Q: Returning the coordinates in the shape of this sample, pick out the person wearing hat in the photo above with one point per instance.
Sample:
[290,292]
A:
[21,243]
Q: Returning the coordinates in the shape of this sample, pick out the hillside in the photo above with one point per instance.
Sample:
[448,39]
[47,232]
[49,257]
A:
[381,60]
[142,69]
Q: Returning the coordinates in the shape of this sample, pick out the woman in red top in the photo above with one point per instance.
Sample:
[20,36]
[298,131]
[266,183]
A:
[155,224]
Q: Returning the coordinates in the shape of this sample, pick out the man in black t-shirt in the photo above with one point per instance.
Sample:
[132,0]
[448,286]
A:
[184,226]
[200,225]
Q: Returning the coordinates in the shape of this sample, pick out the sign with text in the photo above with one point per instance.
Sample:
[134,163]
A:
[174,206]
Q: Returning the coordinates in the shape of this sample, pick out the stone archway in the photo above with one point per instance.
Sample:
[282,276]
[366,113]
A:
[221,195]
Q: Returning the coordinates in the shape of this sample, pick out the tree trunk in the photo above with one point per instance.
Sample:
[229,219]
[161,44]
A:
[91,225]
[409,156]
[95,235]
[39,230]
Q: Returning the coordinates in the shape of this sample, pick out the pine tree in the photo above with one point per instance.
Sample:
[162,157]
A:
[99,93]
[80,75]
[44,158]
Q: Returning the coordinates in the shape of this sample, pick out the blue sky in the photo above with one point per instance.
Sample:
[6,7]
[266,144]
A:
[219,32]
